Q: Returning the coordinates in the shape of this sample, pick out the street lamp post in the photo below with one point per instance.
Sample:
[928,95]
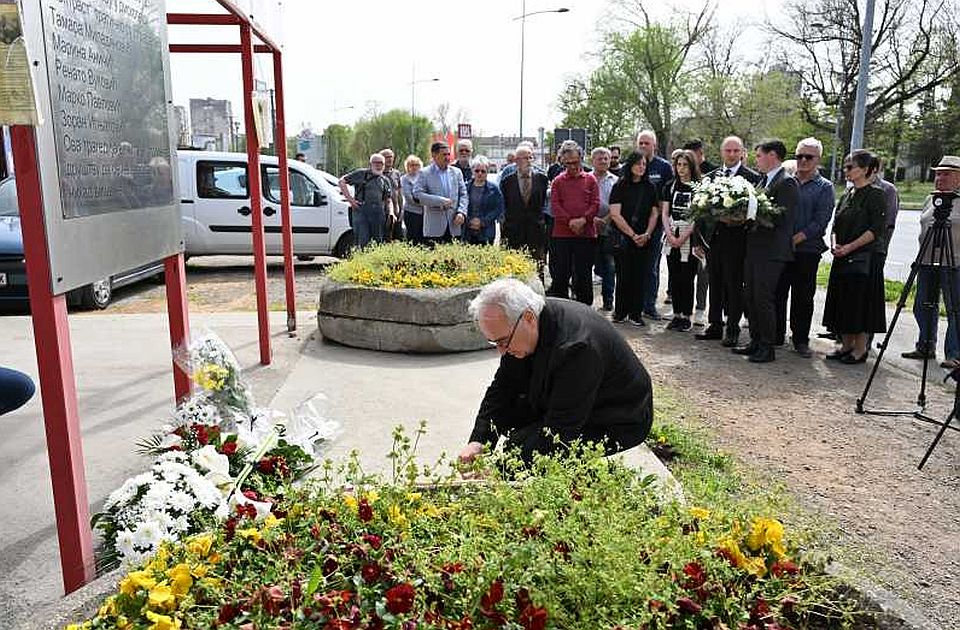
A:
[413,85]
[860,106]
[523,31]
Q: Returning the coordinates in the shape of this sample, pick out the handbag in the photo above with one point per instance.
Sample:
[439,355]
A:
[857,263]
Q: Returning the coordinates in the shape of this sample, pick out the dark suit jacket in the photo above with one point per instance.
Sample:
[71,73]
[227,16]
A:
[516,210]
[776,243]
[582,379]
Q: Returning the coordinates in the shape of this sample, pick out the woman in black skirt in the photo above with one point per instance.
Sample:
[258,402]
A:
[855,299]
[634,211]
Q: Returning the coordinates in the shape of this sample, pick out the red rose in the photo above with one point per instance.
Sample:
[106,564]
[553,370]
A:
[201,432]
[228,448]
[533,618]
[370,572]
[365,510]
[400,598]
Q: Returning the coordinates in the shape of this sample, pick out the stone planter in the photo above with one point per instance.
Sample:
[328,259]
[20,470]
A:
[400,320]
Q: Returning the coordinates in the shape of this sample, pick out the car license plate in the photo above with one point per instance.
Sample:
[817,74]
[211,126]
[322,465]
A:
[3,279]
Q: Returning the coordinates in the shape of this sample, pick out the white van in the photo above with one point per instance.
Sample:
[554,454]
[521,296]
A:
[215,206]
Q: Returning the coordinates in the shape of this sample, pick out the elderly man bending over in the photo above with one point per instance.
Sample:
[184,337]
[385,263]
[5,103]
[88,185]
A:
[564,368]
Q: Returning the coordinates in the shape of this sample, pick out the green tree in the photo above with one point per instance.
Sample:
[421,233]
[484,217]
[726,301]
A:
[586,104]
[338,139]
[394,129]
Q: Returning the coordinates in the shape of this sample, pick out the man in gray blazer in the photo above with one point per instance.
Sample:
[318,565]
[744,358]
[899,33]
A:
[442,192]
[768,252]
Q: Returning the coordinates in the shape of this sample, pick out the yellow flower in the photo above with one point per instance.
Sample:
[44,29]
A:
[700,513]
[211,376]
[372,496]
[200,570]
[429,510]
[766,533]
[756,566]
[200,545]
[732,549]
[162,622]
[211,582]
[252,533]
[396,516]
[161,597]
[123,623]
[159,562]
[136,580]
[413,497]
[108,608]
[271,521]
[180,579]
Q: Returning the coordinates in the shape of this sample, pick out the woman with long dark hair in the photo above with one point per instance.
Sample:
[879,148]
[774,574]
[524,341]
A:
[681,263]
[634,211]
[855,298]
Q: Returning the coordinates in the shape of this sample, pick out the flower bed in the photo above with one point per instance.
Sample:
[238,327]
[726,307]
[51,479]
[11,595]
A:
[401,298]
[578,542]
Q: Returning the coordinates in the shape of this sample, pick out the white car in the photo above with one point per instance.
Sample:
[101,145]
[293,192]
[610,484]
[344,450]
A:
[215,206]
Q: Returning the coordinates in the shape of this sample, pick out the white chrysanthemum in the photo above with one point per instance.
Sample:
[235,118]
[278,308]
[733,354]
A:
[125,542]
[208,459]
[148,534]
[181,502]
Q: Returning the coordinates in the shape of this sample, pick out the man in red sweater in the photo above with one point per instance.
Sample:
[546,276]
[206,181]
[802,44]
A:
[575,200]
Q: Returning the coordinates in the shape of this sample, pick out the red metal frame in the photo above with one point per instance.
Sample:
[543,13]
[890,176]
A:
[58,387]
[176,280]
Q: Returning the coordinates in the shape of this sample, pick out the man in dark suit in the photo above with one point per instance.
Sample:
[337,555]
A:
[768,252]
[563,368]
[525,197]
[726,250]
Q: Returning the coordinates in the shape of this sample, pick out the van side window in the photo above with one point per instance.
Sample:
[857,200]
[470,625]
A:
[221,180]
[302,188]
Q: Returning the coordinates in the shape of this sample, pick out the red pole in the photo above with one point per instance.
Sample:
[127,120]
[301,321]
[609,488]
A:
[253,178]
[281,139]
[179,318]
[58,387]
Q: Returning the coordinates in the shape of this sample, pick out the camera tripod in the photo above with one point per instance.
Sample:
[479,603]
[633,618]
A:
[936,256]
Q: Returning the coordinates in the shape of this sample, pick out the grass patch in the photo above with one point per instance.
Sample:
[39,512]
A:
[912,194]
[404,266]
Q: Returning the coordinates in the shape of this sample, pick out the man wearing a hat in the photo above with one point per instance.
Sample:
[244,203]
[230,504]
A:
[926,307]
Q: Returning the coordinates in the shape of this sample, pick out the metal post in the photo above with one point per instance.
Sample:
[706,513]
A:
[286,225]
[253,185]
[58,388]
[175,277]
[860,106]
[523,32]
[413,84]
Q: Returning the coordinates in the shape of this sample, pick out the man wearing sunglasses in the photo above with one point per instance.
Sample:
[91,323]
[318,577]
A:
[799,278]
[563,369]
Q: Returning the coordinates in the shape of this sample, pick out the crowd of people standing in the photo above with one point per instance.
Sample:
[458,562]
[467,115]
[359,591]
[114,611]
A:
[610,221]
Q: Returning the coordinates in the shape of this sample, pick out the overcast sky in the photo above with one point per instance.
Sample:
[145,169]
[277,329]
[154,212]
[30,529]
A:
[342,58]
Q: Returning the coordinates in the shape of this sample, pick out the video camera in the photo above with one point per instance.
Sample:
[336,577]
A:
[942,205]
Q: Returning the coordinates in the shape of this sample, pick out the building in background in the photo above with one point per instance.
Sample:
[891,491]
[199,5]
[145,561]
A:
[182,126]
[497,147]
[211,125]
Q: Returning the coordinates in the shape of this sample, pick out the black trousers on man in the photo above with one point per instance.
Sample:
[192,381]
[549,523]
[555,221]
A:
[572,260]
[760,279]
[799,280]
[732,241]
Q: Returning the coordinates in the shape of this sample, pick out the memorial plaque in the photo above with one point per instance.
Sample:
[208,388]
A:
[109,109]
[107,163]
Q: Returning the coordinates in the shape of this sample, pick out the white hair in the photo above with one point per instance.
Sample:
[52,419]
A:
[649,133]
[465,143]
[525,143]
[523,149]
[377,157]
[511,295]
[599,151]
[812,143]
[480,160]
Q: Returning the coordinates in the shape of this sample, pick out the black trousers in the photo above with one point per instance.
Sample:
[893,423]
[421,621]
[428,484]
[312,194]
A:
[573,263]
[681,281]
[761,277]
[733,252]
[632,275]
[529,232]
[799,281]
[715,287]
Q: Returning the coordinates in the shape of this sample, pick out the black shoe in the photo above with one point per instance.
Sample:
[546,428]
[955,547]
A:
[712,332]
[828,335]
[638,322]
[731,338]
[746,350]
[684,325]
[919,354]
[849,359]
[764,354]
[803,350]
[673,324]
[837,355]
[607,306]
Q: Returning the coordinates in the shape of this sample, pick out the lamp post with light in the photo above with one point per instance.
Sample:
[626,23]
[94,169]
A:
[413,85]
[523,30]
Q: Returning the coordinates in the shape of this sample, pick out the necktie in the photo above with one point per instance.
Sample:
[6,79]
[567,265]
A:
[525,188]
[726,171]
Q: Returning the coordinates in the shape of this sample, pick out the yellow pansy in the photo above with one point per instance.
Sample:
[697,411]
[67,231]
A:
[271,521]
[766,533]
[108,608]
[252,533]
[732,549]
[413,497]
[211,376]
[200,570]
[200,545]
[162,622]
[700,513]
[161,597]
[395,516]
[350,501]
[123,623]
[211,582]
[180,579]
[372,496]
[429,510]
[136,580]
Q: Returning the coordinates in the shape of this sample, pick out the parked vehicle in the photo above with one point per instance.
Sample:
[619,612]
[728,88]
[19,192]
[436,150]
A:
[215,206]
[13,269]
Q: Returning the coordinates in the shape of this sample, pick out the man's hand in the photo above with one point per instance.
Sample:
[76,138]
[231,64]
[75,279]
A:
[798,238]
[599,222]
[672,240]
[470,452]
[447,203]
[698,251]
[353,202]
[577,225]
[458,219]
[475,223]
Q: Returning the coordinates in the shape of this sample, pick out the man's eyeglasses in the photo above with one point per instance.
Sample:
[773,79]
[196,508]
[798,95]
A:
[571,163]
[479,170]
[805,156]
[504,342]
[464,151]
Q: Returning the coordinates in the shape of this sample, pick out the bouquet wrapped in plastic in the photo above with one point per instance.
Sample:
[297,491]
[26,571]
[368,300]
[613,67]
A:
[732,200]
[216,372]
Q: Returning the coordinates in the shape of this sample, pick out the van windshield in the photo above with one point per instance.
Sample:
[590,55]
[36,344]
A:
[8,198]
